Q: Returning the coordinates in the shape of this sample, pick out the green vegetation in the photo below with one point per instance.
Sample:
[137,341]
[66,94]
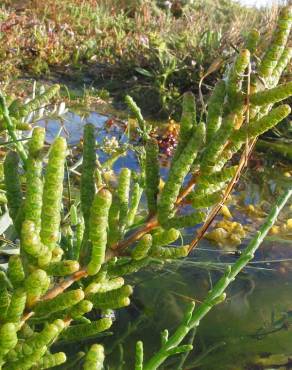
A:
[154,53]
[80,234]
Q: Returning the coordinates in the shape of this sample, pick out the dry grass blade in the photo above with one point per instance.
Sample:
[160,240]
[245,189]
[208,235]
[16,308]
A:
[216,209]
[218,62]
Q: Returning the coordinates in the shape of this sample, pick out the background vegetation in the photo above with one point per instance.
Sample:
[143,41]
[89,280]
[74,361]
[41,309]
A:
[154,49]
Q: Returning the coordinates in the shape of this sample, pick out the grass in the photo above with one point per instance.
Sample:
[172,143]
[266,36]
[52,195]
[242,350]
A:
[143,49]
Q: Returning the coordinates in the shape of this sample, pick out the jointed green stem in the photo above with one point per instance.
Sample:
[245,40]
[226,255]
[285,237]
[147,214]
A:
[11,130]
[217,294]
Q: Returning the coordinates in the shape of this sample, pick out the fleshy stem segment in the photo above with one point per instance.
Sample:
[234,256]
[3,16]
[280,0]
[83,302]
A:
[217,294]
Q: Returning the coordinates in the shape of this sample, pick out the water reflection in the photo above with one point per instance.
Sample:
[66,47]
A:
[72,125]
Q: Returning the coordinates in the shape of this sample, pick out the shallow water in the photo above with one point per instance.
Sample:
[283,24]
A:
[253,322]
[251,330]
[71,127]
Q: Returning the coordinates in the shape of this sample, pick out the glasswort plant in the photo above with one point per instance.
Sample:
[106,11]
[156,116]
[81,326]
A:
[48,292]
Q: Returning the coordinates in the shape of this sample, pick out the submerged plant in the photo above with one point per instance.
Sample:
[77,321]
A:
[69,273]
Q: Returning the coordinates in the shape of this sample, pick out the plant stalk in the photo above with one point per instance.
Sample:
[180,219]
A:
[11,130]
[217,294]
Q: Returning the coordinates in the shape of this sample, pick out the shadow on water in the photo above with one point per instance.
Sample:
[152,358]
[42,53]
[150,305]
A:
[251,330]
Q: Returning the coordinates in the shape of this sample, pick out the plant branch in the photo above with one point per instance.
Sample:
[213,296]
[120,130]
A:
[56,290]
[66,283]
[151,224]
[242,163]
[11,130]
[216,209]
[217,294]
[188,188]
